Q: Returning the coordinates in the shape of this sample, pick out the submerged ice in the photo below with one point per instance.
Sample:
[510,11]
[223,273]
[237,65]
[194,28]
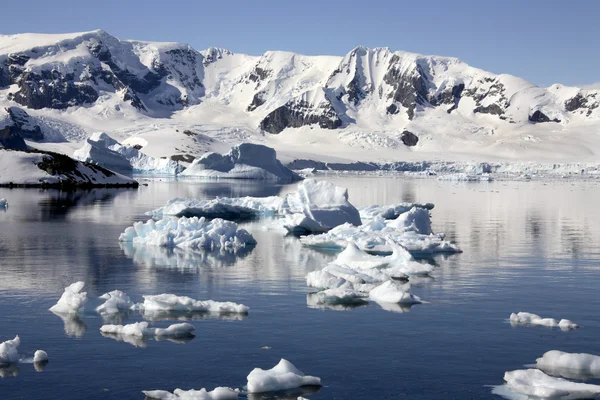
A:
[283,376]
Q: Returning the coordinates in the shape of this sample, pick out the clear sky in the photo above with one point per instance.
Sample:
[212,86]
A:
[543,41]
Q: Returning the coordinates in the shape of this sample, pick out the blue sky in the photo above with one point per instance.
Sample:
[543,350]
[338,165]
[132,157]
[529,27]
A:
[544,42]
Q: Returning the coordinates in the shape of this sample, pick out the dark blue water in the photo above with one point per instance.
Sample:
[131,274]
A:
[528,246]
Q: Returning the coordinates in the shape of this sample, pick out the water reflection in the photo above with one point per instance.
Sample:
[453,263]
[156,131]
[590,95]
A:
[291,394]
[314,300]
[153,316]
[117,318]
[10,370]
[74,325]
[39,366]
[137,341]
[395,307]
[58,204]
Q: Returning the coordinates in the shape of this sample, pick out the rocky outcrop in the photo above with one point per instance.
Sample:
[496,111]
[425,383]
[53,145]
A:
[409,138]
[538,116]
[409,87]
[24,124]
[297,114]
[10,139]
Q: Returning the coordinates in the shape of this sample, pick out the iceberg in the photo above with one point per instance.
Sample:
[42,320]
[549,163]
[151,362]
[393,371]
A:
[72,300]
[391,211]
[390,292]
[116,301]
[570,365]
[533,383]
[189,233]
[40,356]
[171,302]
[525,318]
[141,330]
[241,208]
[245,161]
[9,351]
[318,206]
[101,149]
[219,393]
[3,203]
[283,376]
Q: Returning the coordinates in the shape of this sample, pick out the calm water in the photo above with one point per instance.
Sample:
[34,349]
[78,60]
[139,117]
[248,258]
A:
[528,246]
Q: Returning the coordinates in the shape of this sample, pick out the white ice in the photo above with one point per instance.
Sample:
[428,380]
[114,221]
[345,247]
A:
[224,207]
[40,356]
[533,383]
[391,211]
[318,206]
[525,318]
[189,233]
[391,292]
[245,161]
[170,302]
[9,351]
[283,376]
[337,297]
[72,300]
[569,364]
[115,301]
[141,330]
[219,393]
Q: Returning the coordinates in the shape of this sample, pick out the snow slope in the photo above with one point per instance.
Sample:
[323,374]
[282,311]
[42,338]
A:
[371,105]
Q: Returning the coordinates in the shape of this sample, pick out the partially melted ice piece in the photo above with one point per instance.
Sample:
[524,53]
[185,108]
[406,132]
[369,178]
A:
[533,383]
[525,318]
[391,292]
[170,302]
[219,393]
[230,208]
[391,211]
[72,300]
[283,376]
[141,330]
[116,301]
[9,351]
[189,233]
[570,365]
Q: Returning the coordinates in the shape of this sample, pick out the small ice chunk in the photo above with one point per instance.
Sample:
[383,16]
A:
[526,318]
[569,365]
[283,376]
[390,292]
[189,233]
[72,300]
[40,356]
[171,302]
[219,393]
[115,301]
[3,203]
[355,258]
[9,351]
[536,384]
[141,330]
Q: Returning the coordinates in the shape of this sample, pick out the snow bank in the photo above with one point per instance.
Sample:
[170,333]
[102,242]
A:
[219,393]
[141,330]
[318,206]
[283,376]
[72,300]
[103,150]
[227,208]
[9,351]
[115,301]
[533,383]
[40,356]
[189,233]
[171,302]
[569,365]
[3,203]
[245,161]
[525,318]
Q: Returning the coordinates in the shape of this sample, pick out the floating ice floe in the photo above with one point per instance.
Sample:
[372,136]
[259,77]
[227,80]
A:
[391,292]
[219,393]
[141,330]
[533,383]
[40,356]
[73,324]
[283,376]
[170,302]
[525,318]
[116,301]
[230,208]
[245,161]
[3,203]
[72,300]
[318,206]
[391,211]
[344,297]
[570,365]
[189,233]
[9,351]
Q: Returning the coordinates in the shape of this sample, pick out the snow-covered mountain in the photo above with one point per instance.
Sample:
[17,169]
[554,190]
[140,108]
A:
[173,101]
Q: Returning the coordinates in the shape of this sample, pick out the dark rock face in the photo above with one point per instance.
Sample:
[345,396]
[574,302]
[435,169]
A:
[409,138]
[410,88]
[297,114]
[257,101]
[493,109]
[10,139]
[24,124]
[539,116]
